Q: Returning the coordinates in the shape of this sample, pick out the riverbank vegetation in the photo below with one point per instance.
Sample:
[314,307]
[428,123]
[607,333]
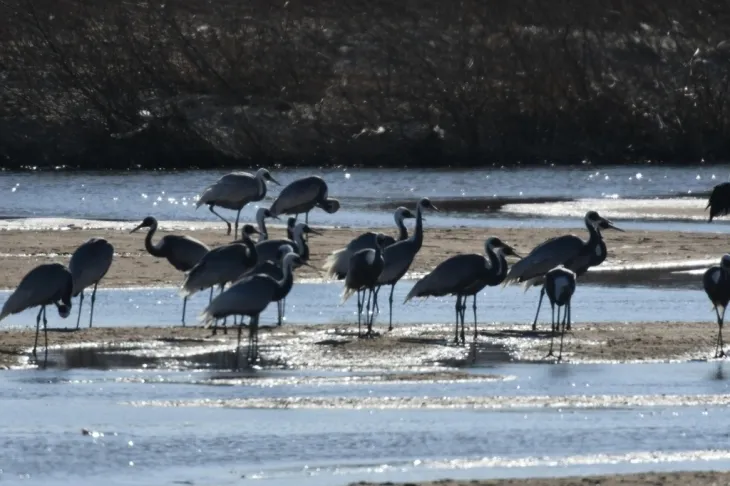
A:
[193,83]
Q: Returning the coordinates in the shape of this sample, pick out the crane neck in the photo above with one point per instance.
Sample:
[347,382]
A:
[302,244]
[402,230]
[287,278]
[499,262]
[252,254]
[417,236]
[151,248]
[263,233]
[594,235]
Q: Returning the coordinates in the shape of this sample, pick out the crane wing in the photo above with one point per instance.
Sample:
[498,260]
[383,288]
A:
[246,297]
[301,192]
[218,266]
[185,252]
[90,262]
[39,286]
[231,188]
[545,257]
[449,276]
[398,258]
[268,250]
[719,202]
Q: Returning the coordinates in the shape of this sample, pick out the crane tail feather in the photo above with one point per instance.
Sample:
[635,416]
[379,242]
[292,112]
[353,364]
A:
[346,294]
[333,264]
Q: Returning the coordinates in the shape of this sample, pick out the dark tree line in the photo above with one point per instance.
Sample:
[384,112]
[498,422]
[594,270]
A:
[192,83]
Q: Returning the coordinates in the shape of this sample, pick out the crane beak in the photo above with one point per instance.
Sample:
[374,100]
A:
[319,272]
[435,208]
[136,228]
[606,224]
[274,181]
[513,252]
[314,232]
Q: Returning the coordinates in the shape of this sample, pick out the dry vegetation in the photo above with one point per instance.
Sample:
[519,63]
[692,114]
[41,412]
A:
[190,83]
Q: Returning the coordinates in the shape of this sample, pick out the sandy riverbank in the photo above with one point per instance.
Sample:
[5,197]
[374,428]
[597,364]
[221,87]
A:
[133,266]
[690,478]
[407,348]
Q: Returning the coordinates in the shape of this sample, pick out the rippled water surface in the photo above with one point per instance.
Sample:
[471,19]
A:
[172,196]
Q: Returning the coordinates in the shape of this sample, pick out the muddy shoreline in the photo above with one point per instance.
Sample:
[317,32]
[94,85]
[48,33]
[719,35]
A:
[689,478]
[133,266]
[415,348]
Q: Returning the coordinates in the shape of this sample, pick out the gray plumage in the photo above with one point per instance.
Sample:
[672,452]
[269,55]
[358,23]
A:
[337,263]
[88,265]
[463,276]
[362,276]
[574,253]
[222,265]
[559,286]
[249,297]
[303,195]
[269,249]
[46,284]
[234,191]
[716,282]
[183,252]
[261,216]
[273,269]
[397,258]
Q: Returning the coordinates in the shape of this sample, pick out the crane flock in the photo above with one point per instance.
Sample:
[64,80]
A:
[251,275]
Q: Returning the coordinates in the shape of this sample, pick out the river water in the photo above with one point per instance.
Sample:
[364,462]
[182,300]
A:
[626,193]
[162,427]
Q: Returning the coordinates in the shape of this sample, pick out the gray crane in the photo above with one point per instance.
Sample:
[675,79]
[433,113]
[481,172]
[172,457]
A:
[464,275]
[399,256]
[303,195]
[269,249]
[337,263]
[46,284]
[571,251]
[88,265]
[183,252]
[222,265]
[273,268]
[234,191]
[716,281]
[719,201]
[250,297]
[261,216]
[560,287]
[362,277]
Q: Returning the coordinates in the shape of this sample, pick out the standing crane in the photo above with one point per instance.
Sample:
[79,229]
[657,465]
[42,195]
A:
[46,284]
[88,265]
[250,297]
[560,287]
[268,250]
[303,195]
[182,251]
[464,275]
[362,276]
[716,282]
[399,256]
[234,191]
[337,263]
[719,201]
[570,251]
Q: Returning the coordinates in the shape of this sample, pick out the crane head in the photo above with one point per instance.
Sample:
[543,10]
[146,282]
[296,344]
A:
[404,213]
[425,203]
[248,230]
[725,262]
[305,229]
[330,205]
[266,175]
[63,310]
[263,213]
[148,222]
[599,222]
[495,242]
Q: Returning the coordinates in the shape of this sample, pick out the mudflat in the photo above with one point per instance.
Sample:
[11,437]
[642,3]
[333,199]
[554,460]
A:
[133,266]
[406,348]
[689,478]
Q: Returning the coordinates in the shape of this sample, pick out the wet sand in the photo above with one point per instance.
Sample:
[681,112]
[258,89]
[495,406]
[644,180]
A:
[133,266]
[690,478]
[408,349]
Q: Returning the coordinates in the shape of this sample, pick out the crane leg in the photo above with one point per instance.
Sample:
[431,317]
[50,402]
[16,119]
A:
[566,314]
[719,352]
[539,304]
[93,299]
[359,315]
[283,309]
[390,304]
[457,311]
[81,304]
[210,299]
[37,331]
[45,337]
[185,304]
[212,210]
[367,313]
[376,309]
[238,349]
[235,231]
[278,313]
[474,308]
[462,312]
[552,327]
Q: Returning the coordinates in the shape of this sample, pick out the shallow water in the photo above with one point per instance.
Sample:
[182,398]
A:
[46,411]
[172,196]
[319,303]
